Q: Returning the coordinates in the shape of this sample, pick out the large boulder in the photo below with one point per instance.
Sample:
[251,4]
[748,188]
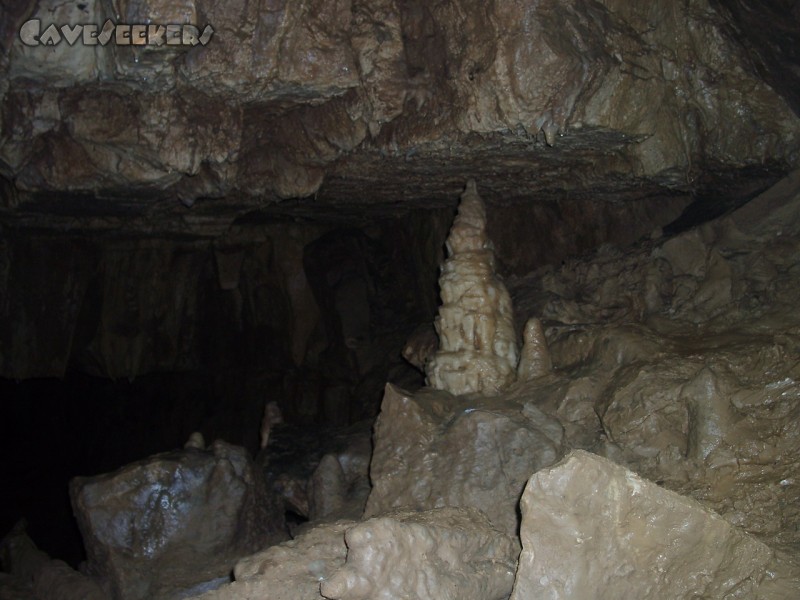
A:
[432,449]
[592,529]
[164,525]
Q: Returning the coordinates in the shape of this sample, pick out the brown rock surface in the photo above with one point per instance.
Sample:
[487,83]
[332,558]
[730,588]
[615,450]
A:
[291,570]
[432,449]
[175,520]
[679,360]
[445,553]
[442,553]
[592,529]
[334,97]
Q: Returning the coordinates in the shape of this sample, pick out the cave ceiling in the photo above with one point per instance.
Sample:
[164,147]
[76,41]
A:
[347,109]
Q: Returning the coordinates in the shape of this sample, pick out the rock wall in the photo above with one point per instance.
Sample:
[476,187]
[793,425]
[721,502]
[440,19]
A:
[676,360]
[253,297]
[126,307]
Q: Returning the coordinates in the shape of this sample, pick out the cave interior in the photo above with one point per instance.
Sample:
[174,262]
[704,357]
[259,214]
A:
[190,234]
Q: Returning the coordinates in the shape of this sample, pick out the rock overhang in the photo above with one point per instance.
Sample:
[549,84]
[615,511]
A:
[347,105]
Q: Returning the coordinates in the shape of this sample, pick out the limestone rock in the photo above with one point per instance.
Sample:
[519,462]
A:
[594,530]
[174,520]
[63,64]
[587,95]
[446,553]
[431,450]
[477,344]
[699,391]
[291,570]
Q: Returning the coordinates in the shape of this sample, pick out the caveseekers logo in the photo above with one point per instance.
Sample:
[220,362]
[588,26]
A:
[31,34]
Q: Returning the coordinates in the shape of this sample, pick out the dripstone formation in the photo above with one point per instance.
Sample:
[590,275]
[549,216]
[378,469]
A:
[477,345]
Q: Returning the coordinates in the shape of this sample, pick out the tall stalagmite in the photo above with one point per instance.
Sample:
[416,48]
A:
[477,344]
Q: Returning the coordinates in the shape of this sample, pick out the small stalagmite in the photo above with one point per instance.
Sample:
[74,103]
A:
[478,349]
[535,359]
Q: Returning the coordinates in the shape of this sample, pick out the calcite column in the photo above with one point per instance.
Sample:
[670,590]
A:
[477,344]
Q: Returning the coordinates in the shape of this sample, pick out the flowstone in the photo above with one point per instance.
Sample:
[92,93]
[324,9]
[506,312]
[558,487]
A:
[477,343]
[446,553]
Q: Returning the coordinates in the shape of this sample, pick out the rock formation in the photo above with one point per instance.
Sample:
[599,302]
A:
[191,231]
[292,570]
[272,416]
[592,529]
[477,343]
[430,451]
[535,356]
[162,526]
[333,94]
[446,553]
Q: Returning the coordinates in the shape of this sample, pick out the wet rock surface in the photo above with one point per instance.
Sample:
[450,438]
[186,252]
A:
[593,529]
[163,526]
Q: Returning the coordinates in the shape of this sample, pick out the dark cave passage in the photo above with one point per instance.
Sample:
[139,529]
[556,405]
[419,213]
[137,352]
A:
[120,348]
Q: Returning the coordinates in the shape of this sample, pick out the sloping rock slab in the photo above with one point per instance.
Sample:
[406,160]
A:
[433,449]
[174,520]
[447,554]
[594,530]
